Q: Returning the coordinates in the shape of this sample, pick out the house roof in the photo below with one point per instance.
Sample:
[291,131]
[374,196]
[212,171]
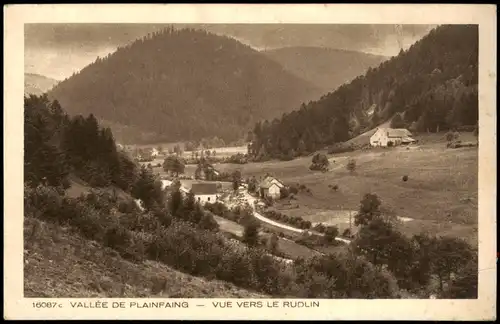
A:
[204,188]
[269,181]
[396,132]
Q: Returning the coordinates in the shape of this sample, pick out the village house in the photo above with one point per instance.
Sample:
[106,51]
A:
[270,187]
[391,137]
[205,192]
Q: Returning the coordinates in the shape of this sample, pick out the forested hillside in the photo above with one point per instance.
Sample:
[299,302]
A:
[37,84]
[183,85]
[327,68]
[432,86]
[56,145]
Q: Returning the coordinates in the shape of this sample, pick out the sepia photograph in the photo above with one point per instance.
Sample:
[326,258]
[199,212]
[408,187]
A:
[294,162]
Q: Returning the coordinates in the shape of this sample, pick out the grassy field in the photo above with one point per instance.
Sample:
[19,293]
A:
[440,195]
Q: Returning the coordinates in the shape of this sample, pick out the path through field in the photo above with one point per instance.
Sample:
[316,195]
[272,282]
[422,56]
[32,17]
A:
[250,199]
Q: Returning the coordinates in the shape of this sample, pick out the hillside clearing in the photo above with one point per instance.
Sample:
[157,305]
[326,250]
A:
[440,195]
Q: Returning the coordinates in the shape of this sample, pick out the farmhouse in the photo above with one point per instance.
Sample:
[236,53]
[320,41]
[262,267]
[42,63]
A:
[391,137]
[270,187]
[205,192]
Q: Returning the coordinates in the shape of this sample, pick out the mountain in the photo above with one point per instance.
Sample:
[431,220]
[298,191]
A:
[432,86]
[327,68]
[183,85]
[37,84]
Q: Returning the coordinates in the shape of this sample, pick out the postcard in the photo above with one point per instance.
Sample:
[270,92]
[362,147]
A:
[250,161]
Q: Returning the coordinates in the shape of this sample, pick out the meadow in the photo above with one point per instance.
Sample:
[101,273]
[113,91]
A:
[440,195]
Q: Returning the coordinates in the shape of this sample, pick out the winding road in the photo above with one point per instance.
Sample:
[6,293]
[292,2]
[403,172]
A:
[250,199]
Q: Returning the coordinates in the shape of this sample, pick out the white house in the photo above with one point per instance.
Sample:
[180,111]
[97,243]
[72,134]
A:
[205,192]
[396,136]
[271,187]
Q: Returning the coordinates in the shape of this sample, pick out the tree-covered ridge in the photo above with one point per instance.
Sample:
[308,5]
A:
[182,85]
[56,145]
[433,85]
[327,68]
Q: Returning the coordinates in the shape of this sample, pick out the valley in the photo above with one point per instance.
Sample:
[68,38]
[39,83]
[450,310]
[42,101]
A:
[190,164]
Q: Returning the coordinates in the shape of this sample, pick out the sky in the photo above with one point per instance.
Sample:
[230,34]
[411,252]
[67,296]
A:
[59,50]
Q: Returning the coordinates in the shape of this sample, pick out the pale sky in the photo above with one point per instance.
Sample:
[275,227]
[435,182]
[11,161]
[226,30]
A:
[58,50]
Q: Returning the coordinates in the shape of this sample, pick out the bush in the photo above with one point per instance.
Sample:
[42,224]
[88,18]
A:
[390,144]
[284,192]
[351,165]
[293,190]
[405,178]
[347,233]
[117,238]
[335,187]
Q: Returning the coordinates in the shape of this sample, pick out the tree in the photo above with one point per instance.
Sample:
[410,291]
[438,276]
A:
[331,232]
[175,202]
[319,162]
[252,184]
[251,232]
[449,255]
[351,165]
[375,240]
[369,209]
[397,121]
[273,243]
[148,189]
[236,178]
[173,164]
[465,283]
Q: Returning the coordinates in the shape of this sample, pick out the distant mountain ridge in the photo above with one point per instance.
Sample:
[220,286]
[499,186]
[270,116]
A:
[431,87]
[37,84]
[327,68]
[183,85]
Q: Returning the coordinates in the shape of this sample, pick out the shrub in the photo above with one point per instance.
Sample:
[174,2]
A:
[117,238]
[351,165]
[331,232]
[347,233]
[405,178]
[335,187]
[284,192]
[390,144]
[293,190]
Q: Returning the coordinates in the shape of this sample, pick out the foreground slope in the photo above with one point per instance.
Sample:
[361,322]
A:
[327,68]
[60,263]
[183,84]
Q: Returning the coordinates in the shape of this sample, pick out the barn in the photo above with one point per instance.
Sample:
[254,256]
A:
[391,137]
